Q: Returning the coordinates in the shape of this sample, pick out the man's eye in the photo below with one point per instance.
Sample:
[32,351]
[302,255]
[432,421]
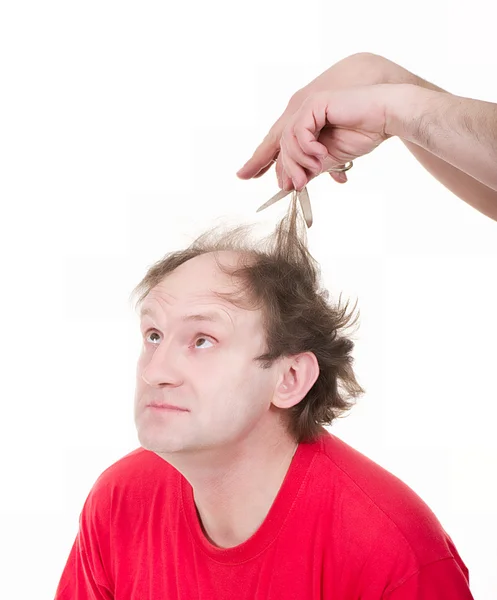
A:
[150,334]
[200,342]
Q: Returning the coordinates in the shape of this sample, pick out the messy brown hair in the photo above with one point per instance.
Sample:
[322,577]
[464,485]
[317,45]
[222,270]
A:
[279,276]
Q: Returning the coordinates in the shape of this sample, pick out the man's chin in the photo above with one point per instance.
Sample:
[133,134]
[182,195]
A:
[160,444]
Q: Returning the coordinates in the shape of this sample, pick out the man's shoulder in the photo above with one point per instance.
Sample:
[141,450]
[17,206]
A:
[377,504]
[357,475]
[140,473]
[137,463]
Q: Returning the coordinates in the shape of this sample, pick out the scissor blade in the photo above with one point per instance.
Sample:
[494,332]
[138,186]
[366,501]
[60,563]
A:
[305,204]
[279,196]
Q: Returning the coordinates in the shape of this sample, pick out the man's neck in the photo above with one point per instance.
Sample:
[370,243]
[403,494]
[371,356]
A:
[230,515]
[234,497]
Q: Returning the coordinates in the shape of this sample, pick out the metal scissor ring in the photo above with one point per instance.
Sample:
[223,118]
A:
[348,165]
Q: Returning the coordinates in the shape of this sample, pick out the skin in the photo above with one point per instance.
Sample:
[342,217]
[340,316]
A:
[363,100]
[231,444]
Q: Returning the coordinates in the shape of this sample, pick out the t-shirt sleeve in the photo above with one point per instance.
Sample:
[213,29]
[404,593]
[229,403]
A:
[436,581]
[84,576]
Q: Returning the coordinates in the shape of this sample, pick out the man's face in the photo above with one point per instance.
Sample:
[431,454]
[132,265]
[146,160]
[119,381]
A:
[198,354]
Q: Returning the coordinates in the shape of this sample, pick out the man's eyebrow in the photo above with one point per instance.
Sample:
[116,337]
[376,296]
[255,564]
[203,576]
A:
[212,316]
[208,316]
[146,311]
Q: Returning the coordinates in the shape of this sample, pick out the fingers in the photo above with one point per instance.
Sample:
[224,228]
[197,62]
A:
[301,156]
[264,154]
[291,145]
[308,142]
[338,177]
[300,150]
[308,123]
[260,161]
[298,166]
[262,171]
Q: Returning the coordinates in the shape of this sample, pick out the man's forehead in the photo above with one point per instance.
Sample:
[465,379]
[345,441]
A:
[200,275]
[198,278]
[199,282]
[208,303]
[198,314]
[197,305]
[168,295]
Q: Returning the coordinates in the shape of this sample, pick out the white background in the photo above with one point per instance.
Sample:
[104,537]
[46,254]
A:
[122,127]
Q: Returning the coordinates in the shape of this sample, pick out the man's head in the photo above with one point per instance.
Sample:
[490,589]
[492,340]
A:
[242,337]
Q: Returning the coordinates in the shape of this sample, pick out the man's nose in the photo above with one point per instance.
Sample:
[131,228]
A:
[163,368]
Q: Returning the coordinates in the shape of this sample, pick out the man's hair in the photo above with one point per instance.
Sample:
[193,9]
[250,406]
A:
[279,276]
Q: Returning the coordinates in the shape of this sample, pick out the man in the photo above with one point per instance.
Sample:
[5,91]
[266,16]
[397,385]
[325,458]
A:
[238,491]
[363,100]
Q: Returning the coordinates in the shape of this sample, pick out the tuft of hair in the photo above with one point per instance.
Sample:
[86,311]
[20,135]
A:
[279,276]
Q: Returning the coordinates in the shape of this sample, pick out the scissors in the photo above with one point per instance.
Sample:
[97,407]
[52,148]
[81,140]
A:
[303,195]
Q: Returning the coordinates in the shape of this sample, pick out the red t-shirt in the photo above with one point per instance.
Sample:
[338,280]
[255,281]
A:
[340,528]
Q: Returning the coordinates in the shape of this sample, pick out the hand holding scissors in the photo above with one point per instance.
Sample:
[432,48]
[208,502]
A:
[303,196]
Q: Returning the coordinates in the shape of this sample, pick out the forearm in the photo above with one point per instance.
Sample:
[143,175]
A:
[465,186]
[474,193]
[455,138]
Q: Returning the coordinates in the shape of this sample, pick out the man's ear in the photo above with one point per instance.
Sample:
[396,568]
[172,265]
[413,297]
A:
[298,374]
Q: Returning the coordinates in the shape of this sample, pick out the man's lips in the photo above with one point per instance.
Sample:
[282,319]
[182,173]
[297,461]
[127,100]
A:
[164,406]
